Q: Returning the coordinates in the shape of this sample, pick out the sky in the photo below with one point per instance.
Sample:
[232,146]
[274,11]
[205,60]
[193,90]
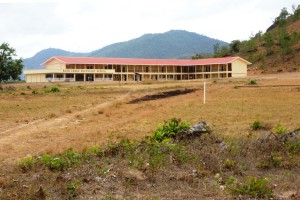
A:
[30,26]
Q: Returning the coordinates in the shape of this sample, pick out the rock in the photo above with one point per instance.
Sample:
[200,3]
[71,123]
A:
[193,132]
[133,174]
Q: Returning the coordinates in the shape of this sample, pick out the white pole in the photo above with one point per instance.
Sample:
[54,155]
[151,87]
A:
[204,92]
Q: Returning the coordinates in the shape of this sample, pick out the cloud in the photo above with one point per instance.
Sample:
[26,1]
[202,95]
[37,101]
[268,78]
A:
[82,26]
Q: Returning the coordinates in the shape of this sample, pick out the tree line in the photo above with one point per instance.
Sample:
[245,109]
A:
[10,66]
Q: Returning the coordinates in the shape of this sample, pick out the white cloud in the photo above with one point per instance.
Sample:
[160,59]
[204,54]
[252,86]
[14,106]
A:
[82,26]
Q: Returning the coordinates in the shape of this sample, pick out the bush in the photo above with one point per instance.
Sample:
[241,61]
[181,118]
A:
[280,129]
[53,90]
[256,125]
[169,129]
[60,162]
[27,163]
[255,188]
[252,82]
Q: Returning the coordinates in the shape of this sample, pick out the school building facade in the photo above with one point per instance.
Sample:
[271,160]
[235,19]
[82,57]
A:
[69,69]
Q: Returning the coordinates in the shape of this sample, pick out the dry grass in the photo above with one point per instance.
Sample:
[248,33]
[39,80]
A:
[85,115]
[81,116]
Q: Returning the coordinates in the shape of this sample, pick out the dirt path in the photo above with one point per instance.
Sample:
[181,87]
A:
[14,141]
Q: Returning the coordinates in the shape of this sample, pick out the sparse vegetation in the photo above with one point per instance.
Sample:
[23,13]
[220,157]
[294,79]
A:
[169,129]
[150,159]
[252,82]
[256,187]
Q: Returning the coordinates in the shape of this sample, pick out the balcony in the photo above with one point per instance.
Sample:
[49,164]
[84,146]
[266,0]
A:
[70,71]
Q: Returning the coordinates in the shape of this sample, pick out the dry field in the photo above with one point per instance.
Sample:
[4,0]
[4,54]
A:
[86,114]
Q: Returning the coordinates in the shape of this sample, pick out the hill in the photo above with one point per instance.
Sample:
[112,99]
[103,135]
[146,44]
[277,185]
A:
[276,50]
[35,61]
[171,44]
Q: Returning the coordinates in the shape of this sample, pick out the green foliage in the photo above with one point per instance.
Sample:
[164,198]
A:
[248,46]
[73,188]
[235,46]
[169,129]
[221,51]
[255,188]
[10,69]
[280,129]
[269,42]
[201,56]
[27,163]
[281,20]
[285,42]
[256,125]
[52,90]
[61,162]
[296,12]
[252,82]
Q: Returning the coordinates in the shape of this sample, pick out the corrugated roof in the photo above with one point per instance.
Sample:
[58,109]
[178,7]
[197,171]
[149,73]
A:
[137,61]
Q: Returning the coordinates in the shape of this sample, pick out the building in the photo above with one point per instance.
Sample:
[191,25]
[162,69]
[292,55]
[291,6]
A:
[58,69]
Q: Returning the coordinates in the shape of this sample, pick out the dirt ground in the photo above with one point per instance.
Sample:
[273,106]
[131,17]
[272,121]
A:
[86,114]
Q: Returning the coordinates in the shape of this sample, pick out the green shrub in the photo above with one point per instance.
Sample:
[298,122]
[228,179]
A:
[255,188]
[256,125]
[73,188]
[252,82]
[169,129]
[280,129]
[52,90]
[27,163]
[61,162]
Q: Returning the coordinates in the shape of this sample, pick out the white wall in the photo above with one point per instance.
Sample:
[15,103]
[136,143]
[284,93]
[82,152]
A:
[239,68]
[55,64]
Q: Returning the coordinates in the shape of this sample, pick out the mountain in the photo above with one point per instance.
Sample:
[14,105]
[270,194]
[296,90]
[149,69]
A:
[35,61]
[171,44]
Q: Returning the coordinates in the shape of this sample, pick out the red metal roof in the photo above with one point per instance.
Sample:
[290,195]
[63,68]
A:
[137,61]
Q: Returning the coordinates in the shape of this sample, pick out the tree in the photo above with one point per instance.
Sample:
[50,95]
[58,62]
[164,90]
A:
[281,20]
[235,46]
[269,42]
[10,68]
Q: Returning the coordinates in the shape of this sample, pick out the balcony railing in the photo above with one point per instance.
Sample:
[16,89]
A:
[103,79]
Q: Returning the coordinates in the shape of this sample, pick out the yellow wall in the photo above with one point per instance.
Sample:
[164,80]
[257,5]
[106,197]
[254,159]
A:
[239,68]
[55,64]
[35,78]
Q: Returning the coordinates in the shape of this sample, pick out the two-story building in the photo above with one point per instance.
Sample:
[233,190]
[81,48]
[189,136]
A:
[61,68]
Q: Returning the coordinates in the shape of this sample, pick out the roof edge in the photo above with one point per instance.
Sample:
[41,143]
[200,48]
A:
[53,57]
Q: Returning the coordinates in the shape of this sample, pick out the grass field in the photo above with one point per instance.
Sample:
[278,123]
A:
[87,114]
[36,120]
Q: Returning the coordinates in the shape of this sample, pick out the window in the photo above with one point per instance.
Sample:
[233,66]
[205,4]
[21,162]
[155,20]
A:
[49,75]
[59,76]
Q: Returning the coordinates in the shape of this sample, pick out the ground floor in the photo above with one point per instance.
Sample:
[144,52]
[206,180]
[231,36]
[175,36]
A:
[69,77]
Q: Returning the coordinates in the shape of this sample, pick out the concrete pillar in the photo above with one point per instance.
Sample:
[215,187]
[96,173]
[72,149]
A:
[84,77]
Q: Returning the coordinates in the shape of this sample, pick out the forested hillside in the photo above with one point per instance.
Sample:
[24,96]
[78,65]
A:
[276,50]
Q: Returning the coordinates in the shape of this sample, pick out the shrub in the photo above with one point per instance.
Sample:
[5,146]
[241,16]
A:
[53,90]
[252,82]
[27,163]
[280,129]
[256,125]
[73,188]
[60,162]
[255,188]
[169,129]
